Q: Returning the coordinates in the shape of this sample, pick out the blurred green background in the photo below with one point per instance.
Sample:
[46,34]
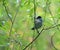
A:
[17,19]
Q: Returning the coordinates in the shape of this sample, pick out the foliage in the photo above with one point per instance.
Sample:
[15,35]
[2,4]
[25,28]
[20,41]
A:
[17,19]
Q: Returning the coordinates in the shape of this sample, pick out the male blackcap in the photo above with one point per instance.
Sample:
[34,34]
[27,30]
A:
[38,23]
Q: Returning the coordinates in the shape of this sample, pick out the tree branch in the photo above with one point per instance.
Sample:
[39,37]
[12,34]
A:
[39,34]
[7,11]
[33,39]
[12,21]
[52,41]
[51,27]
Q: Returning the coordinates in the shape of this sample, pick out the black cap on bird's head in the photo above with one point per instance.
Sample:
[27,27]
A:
[39,17]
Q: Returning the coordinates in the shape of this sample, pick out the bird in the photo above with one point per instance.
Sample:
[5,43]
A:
[38,23]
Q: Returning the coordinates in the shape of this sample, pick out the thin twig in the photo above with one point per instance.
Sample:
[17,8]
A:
[51,14]
[34,11]
[14,19]
[51,27]
[47,4]
[7,11]
[34,18]
[52,41]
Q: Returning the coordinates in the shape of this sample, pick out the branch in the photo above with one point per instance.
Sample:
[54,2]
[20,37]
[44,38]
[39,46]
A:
[52,41]
[39,34]
[33,39]
[51,14]
[14,19]
[51,27]
[7,11]
[54,23]
[52,35]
